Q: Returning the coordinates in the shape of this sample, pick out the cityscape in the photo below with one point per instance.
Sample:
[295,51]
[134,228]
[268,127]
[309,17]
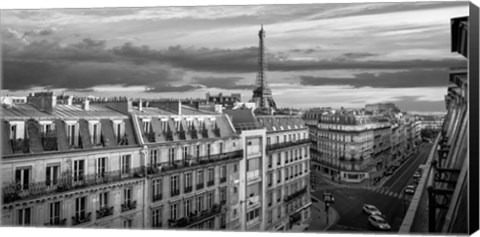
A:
[195,118]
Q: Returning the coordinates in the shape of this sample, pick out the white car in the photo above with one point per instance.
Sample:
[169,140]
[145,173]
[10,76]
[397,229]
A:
[417,175]
[410,189]
[378,222]
[371,210]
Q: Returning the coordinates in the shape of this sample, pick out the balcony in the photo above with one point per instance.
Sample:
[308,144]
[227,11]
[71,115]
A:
[157,197]
[104,212]
[223,179]
[216,131]
[20,146]
[200,186]
[81,218]
[174,192]
[182,135]
[168,135]
[210,183]
[193,162]
[67,182]
[295,195]
[204,133]
[49,141]
[129,205]
[188,189]
[150,136]
[195,217]
[277,146]
[57,222]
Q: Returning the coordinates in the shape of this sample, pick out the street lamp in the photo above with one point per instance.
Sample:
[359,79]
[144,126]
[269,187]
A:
[328,199]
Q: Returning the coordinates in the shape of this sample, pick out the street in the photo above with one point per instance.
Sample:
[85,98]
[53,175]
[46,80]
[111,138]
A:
[389,198]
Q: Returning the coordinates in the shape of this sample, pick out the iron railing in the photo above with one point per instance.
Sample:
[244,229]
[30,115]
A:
[295,194]
[129,205]
[16,191]
[157,197]
[195,217]
[81,218]
[20,145]
[57,222]
[281,145]
[104,211]
[192,162]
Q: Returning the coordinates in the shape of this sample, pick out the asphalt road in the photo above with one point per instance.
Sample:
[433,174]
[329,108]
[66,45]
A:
[390,198]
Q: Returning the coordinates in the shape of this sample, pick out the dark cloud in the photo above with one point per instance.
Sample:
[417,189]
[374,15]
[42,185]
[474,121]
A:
[82,75]
[41,32]
[305,51]
[403,79]
[229,83]
[170,88]
[358,55]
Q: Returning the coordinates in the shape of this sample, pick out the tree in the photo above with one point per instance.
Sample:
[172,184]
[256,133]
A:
[427,133]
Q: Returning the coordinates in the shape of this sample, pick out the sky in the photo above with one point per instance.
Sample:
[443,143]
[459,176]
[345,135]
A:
[319,55]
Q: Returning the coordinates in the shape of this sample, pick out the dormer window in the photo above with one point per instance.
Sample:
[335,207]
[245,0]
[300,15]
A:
[13,132]
[119,130]
[146,126]
[72,133]
[95,131]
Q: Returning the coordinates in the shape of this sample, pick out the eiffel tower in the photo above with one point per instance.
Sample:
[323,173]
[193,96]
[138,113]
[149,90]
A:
[262,95]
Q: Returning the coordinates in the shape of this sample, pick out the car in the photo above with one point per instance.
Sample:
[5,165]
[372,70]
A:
[388,173]
[417,175]
[410,189]
[378,222]
[371,210]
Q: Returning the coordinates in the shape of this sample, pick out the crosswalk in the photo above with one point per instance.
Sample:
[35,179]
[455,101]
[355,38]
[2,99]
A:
[387,192]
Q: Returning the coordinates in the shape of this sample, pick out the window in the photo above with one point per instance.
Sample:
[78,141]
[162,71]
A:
[22,176]
[220,147]
[187,207]
[52,174]
[96,134]
[210,199]
[13,132]
[270,199]
[78,170]
[279,195]
[71,134]
[269,179]
[174,187]
[253,214]
[171,155]
[185,153]
[279,176]
[157,217]
[200,180]
[286,157]
[223,194]
[270,158]
[25,216]
[127,195]
[294,137]
[235,168]
[210,176]
[268,141]
[279,159]
[153,157]
[286,173]
[278,139]
[253,164]
[127,223]
[126,164]
[146,126]
[101,167]
[208,149]
[199,204]
[80,207]
[188,182]
[103,199]
[157,189]
[269,216]
[118,131]
[279,211]
[197,151]
[223,173]
[54,212]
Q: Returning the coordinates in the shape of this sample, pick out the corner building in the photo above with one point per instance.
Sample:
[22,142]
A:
[70,165]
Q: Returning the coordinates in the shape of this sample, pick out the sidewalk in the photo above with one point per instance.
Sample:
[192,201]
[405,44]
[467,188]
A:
[318,219]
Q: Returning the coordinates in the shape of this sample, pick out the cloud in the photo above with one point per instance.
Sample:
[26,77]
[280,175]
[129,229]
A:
[170,88]
[401,79]
[358,55]
[229,83]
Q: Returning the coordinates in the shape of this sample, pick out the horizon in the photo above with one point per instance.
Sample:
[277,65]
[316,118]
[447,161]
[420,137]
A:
[319,55]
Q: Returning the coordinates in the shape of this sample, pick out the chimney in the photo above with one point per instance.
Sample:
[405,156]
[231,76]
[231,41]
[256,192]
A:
[70,100]
[179,107]
[86,105]
[140,105]
[43,101]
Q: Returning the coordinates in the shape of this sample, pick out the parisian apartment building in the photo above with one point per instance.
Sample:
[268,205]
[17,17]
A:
[120,163]
[355,146]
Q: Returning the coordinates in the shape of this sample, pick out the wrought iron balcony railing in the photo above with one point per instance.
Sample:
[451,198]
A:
[223,179]
[16,191]
[150,136]
[20,145]
[81,218]
[276,146]
[57,222]
[193,161]
[210,183]
[129,205]
[157,197]
[200,186]
[49,140]
[104,211]
[195,217]
[175,192]
[295,194]
[188,189]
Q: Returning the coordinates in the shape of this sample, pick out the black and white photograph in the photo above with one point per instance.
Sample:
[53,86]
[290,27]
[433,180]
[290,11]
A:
[303,117]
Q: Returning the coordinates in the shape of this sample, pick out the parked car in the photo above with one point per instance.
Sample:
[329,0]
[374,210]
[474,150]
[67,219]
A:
[417,175]
[371,210]
[387,173]
[378,222]
[410,189]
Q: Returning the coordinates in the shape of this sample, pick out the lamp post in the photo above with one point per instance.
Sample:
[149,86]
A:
[328,199]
